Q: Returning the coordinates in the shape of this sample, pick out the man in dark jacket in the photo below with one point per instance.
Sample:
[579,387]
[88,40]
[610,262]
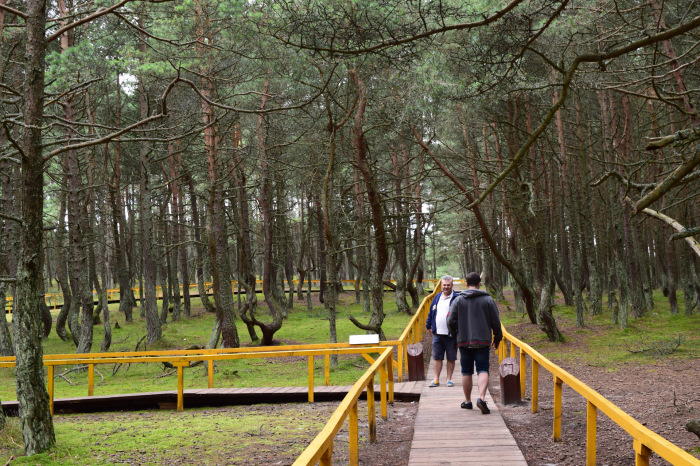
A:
[436,323]
[474,318]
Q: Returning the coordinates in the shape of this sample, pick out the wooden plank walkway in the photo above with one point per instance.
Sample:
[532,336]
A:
[408,391]
[446,434]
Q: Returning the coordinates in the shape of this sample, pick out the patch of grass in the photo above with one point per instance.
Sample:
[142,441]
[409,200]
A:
[231,435]
[608,346]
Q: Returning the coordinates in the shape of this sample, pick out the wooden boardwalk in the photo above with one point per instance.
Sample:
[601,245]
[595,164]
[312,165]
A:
[408,391]
[446,434]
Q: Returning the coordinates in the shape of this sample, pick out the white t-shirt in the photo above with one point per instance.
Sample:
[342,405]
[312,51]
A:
[443,308]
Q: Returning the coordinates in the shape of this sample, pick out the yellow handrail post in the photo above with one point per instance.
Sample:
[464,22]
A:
[535,385]
[512,349]
[327,455]
[523,373]
[50,388]
[311,379]
[327,368]
[353,436]
[91,379]
[180,387]
[371,417]
[591,429]
[557,408]
[382,390]
[642,453]
[399,362]
[390,372]
[210,372]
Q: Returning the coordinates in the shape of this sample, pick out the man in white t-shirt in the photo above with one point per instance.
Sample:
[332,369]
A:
[443,344]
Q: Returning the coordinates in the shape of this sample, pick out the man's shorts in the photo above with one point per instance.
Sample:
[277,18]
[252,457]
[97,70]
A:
[470,356]
[444,344]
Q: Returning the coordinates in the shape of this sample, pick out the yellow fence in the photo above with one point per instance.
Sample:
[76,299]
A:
[183,358]
[52,299]
[644,441]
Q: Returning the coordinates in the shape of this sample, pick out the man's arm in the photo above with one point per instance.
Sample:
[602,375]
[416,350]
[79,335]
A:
[495,324]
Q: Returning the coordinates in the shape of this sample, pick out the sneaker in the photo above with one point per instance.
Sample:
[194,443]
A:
[434,384]
[466,405]
[481,404]
[450,384]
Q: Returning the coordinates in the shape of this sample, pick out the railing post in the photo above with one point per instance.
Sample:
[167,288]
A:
[390,372]
[591,430]
[50,388]
[311,379]
[512,350]
[523,374]
[371,417]
[91,379]
[642,454]
[399,362]
[535,384]
[353,435]
[327,455]
[327,368]
[557,408]
[382,390]
[210,373]
[180,388]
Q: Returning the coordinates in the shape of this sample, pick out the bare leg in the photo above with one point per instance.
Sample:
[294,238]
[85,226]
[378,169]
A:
[483,383]
[467,387]
[450,369]
[438,368]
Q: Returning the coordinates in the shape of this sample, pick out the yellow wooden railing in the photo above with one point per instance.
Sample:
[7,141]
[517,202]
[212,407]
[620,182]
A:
[52,300]
[183,358]
[321,448]
[644,441]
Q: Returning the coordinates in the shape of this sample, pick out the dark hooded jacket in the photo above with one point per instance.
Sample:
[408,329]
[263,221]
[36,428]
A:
[473,317]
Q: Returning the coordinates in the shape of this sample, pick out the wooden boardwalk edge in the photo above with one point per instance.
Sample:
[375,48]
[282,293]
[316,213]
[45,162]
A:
[197,398]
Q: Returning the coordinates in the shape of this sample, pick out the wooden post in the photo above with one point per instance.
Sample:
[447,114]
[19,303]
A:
[311,379]
[557,408]
[382,390]
[535,384]
[210,372]
[353,435]
[327,455]
[371,417]
[591,429]
[523,374]
[399,362]
[91,379]
[642,454]
[512,349]
[327,368]
[390,371]
[50,388]
[180,388]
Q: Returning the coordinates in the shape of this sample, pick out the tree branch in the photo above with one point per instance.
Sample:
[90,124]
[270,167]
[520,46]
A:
[695,245]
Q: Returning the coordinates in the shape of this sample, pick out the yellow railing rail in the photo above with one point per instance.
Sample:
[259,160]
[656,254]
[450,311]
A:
[321,448]
[644,440]
[52,301]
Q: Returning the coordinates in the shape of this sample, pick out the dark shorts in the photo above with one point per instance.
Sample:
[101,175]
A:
[468,357]
[444,344]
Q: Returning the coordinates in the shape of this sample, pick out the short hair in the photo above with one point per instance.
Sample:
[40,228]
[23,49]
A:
[447,277]
[473,279]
